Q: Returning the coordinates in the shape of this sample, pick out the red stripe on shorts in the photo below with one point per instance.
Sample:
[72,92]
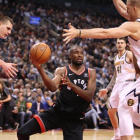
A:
[40,123]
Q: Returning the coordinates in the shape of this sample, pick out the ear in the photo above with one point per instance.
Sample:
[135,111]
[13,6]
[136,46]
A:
[135,8]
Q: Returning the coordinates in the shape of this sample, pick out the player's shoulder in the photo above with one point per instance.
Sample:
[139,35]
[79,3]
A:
[128,24]
[92,72]
[60,70]
[129,53]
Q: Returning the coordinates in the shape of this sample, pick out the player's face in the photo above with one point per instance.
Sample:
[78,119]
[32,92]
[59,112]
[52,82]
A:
[77,56]
[5,29]
[120,44]
[131,11]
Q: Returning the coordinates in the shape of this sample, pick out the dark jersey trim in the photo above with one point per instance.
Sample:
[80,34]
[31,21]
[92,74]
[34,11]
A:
[77,73]
[122,55]
[126,60]
[133,38]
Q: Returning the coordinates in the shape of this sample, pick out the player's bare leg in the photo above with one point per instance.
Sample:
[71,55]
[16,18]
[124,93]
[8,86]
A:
[114,121]
[126,137]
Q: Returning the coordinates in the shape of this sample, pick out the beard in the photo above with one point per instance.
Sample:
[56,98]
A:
[0,90]
[77,64]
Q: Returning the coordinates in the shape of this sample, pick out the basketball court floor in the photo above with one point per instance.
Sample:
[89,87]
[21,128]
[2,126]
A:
[89,134]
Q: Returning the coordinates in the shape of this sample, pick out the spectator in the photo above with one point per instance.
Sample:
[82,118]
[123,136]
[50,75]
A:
[33,96]
[23,112]
[47,101]
[32,77]
[37,106]
[94,115]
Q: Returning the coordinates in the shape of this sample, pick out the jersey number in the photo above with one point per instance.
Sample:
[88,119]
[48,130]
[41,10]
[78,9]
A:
[119,69]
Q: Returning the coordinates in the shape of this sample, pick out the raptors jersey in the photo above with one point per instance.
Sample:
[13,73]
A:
[120,65]
[68,100]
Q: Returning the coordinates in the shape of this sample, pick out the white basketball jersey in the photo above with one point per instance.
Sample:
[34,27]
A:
[135,46]
[122,73]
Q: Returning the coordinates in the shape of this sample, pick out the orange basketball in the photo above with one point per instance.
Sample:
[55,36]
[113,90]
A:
[40,53]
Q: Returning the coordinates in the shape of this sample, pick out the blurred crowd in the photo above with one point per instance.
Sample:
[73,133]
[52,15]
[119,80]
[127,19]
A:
[26,87]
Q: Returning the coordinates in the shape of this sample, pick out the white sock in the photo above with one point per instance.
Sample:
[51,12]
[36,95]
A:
[117,132]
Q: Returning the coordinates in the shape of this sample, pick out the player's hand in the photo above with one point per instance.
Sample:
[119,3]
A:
[70,34]
[9,69]
[102,92]
[129,70]
[36,64]
[66,80]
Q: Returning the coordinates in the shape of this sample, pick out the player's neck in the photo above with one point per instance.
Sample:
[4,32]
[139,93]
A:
[121,53]
[76,68]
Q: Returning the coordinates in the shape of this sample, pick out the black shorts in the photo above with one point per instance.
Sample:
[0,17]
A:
[72,125]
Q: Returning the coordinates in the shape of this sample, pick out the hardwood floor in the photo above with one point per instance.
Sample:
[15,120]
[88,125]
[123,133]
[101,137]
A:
[89,134]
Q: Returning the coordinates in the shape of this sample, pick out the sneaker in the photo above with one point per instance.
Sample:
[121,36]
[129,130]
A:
[96,128]
[102,121]
[16,126]
[116,138]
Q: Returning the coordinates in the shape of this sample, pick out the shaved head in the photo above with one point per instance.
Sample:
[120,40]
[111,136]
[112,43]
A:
[72,49]
[134,2]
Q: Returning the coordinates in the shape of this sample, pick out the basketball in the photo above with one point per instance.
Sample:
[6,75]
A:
[40,53]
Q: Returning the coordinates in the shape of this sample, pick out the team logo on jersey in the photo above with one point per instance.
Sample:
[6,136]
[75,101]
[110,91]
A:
[85,75]
[130,102]
[68,87]
[119,63]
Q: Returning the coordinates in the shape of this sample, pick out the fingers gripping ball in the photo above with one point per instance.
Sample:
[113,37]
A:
[40,53]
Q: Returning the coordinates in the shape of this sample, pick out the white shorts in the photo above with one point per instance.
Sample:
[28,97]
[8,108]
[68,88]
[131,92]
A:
[132,101]
[118,93]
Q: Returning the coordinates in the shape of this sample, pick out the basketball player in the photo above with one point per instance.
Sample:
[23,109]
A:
[132,30]
[6,25]
[77,85]
[123,78]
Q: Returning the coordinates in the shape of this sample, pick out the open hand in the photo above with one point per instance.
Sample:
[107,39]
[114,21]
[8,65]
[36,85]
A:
[102,92]
[70,34]
[36,64]
[9,69]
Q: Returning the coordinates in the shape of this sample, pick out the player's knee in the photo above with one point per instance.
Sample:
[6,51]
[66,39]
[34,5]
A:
[21,133]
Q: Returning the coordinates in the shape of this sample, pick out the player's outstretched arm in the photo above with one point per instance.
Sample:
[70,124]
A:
[102,92]
[85,94]
[100,33]
[51,84]
[121,7]
[9,68]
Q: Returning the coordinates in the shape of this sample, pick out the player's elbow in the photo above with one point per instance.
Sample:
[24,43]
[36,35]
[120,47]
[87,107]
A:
[52,89]
[90,97]
[9,98]
[109,34]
